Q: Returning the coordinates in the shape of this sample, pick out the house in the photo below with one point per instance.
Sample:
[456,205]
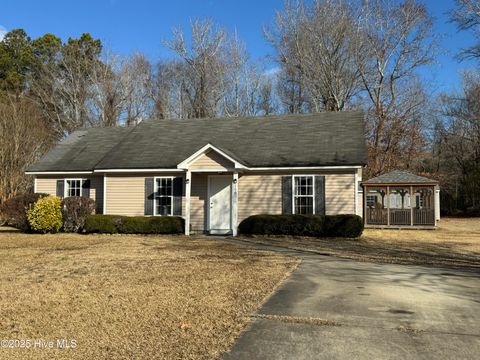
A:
[401,199]
[213,172]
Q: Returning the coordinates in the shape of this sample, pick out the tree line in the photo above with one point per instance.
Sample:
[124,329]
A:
[329,56]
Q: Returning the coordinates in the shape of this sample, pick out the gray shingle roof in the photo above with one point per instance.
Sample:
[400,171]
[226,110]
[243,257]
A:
[81,151]
[399,177]
[286,140]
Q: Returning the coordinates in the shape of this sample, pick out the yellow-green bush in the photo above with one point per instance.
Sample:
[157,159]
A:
[46,215]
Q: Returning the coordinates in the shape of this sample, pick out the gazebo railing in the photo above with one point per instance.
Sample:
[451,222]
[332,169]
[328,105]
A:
[377,216]
[401,217]
[423,217]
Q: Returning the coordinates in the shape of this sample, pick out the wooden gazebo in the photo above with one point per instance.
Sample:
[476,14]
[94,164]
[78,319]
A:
[401,199]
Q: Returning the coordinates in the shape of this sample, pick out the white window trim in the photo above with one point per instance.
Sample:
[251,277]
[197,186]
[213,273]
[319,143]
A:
[155,195]
[65,190]
[293,191]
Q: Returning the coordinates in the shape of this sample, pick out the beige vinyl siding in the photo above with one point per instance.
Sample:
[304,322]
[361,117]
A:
[126,194]
[262,194]
[199,202]
[48,185]
[259,194]
[211,160]
[340,194]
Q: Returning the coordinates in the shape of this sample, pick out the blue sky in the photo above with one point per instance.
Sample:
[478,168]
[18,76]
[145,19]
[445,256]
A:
[140,25]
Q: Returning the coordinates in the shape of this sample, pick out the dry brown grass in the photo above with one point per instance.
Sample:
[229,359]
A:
[455,243]
[130,297]
[460,234]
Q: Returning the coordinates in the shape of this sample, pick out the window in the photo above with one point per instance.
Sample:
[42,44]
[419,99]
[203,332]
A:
[163,196]
[303,195]
[371,200]
[73,187]
[419,200]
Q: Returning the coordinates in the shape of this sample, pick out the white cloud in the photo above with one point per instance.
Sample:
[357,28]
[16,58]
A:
[3,31]
[272,72]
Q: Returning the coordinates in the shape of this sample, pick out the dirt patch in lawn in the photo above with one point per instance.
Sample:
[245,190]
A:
[130,297]
[456,243]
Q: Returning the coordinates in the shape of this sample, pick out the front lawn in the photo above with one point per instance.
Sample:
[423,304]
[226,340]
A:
[455,243]
[130,297]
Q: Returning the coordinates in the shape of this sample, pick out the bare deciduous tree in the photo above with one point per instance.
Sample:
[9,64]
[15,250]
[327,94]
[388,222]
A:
[315,45]
[25,136]
[467,17]
[458,144]
[136,79]
[203,67]
[107,93]
[396,40]
[63,87]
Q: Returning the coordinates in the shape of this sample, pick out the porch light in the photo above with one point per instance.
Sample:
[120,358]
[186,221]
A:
[234,181]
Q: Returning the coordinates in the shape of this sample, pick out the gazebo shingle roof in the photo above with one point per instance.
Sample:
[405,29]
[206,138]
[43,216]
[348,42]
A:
[399,177]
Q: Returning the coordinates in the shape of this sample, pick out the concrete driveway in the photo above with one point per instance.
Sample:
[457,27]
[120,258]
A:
[341,309]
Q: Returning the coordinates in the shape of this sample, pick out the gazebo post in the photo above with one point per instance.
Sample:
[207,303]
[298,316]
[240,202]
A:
[365,204]
[411,207]
[388,205]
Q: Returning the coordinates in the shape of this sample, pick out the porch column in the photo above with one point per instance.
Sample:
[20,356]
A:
[356,192]
[235,203]
[188,187]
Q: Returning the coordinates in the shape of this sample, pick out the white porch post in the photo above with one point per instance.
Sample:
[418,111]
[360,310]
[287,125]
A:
[235,203]
[188,187]
[356,192]
[104,194]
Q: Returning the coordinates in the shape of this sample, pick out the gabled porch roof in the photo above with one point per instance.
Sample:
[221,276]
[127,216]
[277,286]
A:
[185,164]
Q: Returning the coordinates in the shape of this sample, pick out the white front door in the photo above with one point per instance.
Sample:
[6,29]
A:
[220,203]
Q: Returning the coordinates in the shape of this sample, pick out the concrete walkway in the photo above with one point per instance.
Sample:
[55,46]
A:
[340,309]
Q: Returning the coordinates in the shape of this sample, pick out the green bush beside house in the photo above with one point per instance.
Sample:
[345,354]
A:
[349,226]
[113,224]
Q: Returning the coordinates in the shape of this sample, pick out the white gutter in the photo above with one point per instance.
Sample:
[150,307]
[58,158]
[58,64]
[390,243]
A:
[57,172]
[246,168]
[138,170]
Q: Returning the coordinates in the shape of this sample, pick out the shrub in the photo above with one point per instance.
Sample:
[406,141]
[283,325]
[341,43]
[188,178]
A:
[106,224]
[151,225]
[46,215]
[13,212]
[349,226]
[75,210]
[112,224]
[303,225]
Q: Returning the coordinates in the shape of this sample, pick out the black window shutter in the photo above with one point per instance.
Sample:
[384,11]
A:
[320,195]
[287,195]
[86,188]
[60,188]
[149,195]
[177,195]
